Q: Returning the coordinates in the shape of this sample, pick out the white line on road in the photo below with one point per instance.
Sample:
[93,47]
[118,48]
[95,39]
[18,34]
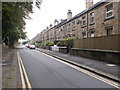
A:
[86,72]
[24,71]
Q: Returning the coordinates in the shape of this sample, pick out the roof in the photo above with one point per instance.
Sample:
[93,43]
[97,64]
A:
[81,13]
[61,23]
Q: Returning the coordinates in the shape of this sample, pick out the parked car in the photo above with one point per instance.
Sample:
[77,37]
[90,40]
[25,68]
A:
[32,47]
[28,46]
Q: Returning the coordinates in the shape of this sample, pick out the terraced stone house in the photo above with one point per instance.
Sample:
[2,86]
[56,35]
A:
[100,19]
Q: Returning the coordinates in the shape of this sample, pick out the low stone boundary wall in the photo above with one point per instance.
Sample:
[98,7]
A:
[103,55]
[46,47]
[63,50]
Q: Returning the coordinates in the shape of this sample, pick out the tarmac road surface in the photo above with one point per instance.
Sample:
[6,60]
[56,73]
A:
[46,72]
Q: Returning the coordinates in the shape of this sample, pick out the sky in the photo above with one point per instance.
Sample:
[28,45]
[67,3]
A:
[51,10]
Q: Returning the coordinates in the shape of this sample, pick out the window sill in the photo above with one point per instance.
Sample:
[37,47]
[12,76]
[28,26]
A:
[84,37]
[83,26]
[112,17]
[91,23]
[73,29]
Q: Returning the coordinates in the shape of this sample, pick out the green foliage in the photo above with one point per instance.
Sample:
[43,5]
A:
[65,42]
[13,20]
[61,43]
[55,42]
[25,42]
[37,44]
[51,43]
[42,44]
[47,43]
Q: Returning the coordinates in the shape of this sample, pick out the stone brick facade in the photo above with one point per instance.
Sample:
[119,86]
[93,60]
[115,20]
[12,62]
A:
[102,19]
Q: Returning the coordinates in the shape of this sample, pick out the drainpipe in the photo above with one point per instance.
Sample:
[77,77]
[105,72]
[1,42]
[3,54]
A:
[87,25]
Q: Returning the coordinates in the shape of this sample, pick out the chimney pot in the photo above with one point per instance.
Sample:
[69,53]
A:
[69,14]
[89,3]
[55,22]
[50,25]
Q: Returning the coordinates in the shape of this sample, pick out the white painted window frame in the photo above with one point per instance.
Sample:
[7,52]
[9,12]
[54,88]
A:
[92,16]
[84,20]
[107,12]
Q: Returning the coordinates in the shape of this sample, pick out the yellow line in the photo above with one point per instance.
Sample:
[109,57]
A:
[86,72]
[21,74]
[26,76]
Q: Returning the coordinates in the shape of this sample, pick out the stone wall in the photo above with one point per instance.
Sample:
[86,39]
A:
[108,56]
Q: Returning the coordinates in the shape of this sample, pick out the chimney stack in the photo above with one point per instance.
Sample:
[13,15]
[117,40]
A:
[47,28]
[89,3]
[55,22]
[69,14]
[50,25]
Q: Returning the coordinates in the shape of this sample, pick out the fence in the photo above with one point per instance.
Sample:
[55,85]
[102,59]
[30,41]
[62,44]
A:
[102,43]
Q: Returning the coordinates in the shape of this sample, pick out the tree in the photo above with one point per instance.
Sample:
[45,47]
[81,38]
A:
[13,20]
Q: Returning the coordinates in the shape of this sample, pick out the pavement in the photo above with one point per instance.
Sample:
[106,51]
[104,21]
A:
[107,69]
[10,70]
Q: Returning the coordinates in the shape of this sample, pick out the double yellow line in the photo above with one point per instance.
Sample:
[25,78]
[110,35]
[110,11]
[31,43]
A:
[24,77]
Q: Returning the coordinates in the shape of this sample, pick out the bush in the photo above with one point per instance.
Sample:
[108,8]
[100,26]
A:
[62,42]
[47,43]
[55,42]
[66,42]
[51,43]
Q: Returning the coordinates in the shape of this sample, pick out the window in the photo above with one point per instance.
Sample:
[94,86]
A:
[84,35]
[73,25]
[69,28]
[53,32]
[109,10]
[109,30]
[66,28]
[83,20]
[91,18]
[92,32]
[60,30]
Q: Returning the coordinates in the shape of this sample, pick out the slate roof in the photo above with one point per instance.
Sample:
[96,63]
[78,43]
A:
[81,13]
[61,23]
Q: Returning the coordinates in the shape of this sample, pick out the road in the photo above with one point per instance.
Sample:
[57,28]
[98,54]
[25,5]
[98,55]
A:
[46,72]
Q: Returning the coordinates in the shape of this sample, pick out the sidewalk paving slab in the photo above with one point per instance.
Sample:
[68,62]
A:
[10,71]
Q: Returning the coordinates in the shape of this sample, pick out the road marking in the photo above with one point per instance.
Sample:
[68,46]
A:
[110,65]
[21,72]
[24,71]
[110,82]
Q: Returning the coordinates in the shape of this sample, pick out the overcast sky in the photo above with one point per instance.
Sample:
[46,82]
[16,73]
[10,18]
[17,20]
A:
[51,10]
